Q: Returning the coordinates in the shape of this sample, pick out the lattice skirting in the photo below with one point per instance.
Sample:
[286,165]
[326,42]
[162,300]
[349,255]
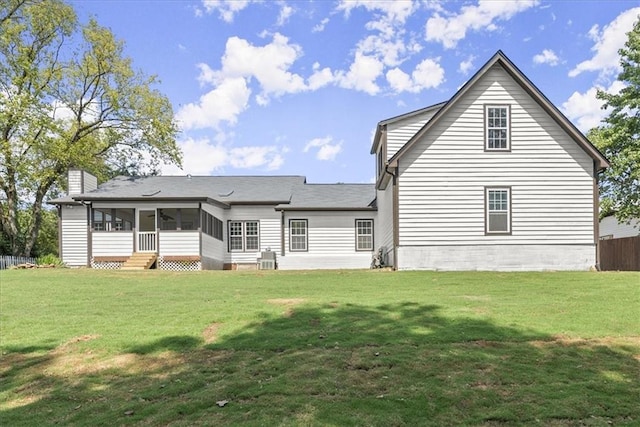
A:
[179,265]
[106,265]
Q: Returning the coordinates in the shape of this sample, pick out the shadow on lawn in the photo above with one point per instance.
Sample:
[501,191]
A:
[337,364]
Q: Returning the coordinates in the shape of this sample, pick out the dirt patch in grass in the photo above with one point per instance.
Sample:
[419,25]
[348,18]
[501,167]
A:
[75,340]
[289,303]
[210,334]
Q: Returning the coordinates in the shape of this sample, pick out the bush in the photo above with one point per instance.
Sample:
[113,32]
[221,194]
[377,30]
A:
[50,259]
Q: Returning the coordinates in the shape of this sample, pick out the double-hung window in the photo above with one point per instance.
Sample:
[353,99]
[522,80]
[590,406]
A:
[497,128]
[498,210]
[364,235]
[298,235]
[244,236]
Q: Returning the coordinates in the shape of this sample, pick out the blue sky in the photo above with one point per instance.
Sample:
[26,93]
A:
[297,87]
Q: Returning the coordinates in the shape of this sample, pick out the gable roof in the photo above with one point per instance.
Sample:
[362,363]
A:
[383,123]
[518,76]
[278,191]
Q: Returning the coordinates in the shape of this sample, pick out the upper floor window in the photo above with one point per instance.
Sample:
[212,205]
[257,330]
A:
[498,210]
[244,236]
[364,234]
[497,132]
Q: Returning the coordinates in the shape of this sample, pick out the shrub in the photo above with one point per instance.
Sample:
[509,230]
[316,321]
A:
[50,259]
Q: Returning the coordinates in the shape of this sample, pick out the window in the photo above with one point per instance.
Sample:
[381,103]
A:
[298,235]
[498,210]
[364,234]
[211,225]
[497,128]
[244,236]
[112,219]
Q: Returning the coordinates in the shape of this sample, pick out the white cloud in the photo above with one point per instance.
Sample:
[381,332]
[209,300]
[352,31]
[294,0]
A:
[362,74]
[388,43]
[202,157]
[226,8]
[327,150]
[222,104]
[285,13]
[607,43]
[427,74]
[585,109]
[268,64]
[320,27]
[269,157]
[320,77]
[449,30]
[466,65]
[547,56]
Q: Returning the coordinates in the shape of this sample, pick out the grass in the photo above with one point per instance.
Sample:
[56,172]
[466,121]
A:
[86,347]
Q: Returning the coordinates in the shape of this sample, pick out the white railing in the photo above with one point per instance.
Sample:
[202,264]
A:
[147,241]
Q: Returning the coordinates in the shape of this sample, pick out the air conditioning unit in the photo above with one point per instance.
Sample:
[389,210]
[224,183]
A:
[267,260]
[267,264]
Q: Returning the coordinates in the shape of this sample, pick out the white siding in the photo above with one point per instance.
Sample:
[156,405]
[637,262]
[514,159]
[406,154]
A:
[73,230]
[384,222]
[331,241]
[442,178]
[213,250]
[112,243]
[398,133]
[609,226]
[269,220]
[179,243]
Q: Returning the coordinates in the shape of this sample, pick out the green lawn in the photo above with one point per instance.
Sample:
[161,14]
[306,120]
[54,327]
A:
[87,347]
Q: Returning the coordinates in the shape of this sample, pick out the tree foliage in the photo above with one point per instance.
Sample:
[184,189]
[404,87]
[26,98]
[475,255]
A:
[69,98]
[619,138]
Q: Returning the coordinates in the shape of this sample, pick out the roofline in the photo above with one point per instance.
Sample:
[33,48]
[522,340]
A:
[323,209]
[80,199]
[531,89]
[383,123]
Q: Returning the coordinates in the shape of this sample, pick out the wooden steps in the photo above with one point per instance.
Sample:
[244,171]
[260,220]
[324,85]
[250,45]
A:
[139,261]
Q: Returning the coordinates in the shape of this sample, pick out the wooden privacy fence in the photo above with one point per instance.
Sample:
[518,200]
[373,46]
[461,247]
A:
[7,261]
[620,254]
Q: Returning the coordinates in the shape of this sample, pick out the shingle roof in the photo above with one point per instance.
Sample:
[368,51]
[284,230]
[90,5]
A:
[284,191]
[332,196]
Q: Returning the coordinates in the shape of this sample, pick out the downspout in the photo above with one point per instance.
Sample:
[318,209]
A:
[282,232]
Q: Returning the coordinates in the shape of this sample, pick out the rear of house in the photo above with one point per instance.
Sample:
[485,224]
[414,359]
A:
[193,223]
[494,179]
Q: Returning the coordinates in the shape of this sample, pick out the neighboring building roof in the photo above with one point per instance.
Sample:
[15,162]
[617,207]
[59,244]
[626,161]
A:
[230,190]
[501,59]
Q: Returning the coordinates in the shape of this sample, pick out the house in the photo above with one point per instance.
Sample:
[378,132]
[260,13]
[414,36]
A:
[611,228]
[496,178]
[215,222]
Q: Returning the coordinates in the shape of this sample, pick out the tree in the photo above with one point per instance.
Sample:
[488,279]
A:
[69,98]
[619,138]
